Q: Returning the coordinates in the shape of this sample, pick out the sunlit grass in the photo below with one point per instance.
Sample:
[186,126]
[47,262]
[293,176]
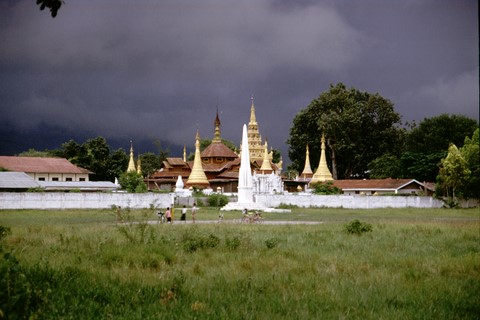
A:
[414,264]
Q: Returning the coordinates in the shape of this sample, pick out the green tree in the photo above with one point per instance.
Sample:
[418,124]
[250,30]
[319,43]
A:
[359,127]
[162,152]
[471,152]
[427,144]
[98,158]
[95,155]
[35,153]
[325,188]
[118,163]
[150,163]
[132,182]
[385,166]
[420,166]
[437,133]
[454,171]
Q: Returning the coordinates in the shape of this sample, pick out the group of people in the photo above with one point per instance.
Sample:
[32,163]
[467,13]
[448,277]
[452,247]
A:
[183,217]
[251,218]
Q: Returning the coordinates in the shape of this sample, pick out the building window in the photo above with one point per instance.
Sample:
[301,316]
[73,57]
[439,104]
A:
[68,179]
[81,179]
[55,179]
[41,179]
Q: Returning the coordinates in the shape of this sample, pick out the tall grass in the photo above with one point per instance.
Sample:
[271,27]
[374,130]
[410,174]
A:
[414,266]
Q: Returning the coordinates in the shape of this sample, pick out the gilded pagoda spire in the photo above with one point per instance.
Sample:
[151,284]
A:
[323,173]
[266,166]
[197,177]
[307,170]
[255,145]
[139,165]
[253,119]
[131,162]
[217,138]
[184,153]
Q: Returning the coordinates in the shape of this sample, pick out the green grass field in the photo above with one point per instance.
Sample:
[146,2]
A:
[85,264]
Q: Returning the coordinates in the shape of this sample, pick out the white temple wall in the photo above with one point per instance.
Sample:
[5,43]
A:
[347,201]
[61,200]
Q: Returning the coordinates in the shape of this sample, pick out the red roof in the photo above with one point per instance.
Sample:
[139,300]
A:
[39,165]
[375,184]
[218,150]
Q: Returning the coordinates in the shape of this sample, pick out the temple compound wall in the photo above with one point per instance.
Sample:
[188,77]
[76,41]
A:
[348,202]
[87,200]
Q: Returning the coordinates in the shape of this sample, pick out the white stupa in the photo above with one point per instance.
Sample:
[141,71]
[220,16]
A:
[179,190]
[245,182]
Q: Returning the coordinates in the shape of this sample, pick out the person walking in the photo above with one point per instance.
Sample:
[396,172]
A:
[184,214]
[194,211]
[168,215]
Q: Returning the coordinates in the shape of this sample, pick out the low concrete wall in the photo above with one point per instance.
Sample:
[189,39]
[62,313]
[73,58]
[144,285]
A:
[58,200]
[350,202]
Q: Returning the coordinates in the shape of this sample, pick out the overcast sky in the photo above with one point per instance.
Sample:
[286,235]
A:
[147,70]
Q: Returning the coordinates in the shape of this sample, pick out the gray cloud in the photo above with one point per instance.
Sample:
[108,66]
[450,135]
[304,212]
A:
[149,69]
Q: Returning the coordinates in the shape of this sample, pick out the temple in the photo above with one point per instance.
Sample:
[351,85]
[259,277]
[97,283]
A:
[217,166]
[255,145]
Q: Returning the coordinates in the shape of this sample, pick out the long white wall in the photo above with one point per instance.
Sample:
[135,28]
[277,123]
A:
[61,200]
[349,202]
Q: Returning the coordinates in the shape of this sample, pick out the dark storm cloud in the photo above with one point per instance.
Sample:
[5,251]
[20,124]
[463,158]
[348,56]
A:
[158,70]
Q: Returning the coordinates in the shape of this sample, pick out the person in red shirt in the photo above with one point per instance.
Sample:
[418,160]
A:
[168,215]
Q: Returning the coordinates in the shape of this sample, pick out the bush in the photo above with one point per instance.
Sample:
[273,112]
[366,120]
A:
[357,227]
[325,188]
[4,231]
[217,200]
[132,182]
[19,297]
[193,242]
[232,243]
[271,243]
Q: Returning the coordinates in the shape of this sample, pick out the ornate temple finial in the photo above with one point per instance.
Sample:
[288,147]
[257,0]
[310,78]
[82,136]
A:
[266,166]
[197,176]
[139,165]
[307,170]
[217,138]
[255,145]
[131,162]
[253,120]
[323,173]
[184,153]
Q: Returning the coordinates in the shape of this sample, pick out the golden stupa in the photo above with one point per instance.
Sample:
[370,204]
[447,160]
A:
[266,166]
[307,169]
[131,162]
[197,177]
[323,173]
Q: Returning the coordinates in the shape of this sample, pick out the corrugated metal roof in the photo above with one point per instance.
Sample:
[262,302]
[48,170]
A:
[176,161]
[81,185]
[17,180]
[39,165]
